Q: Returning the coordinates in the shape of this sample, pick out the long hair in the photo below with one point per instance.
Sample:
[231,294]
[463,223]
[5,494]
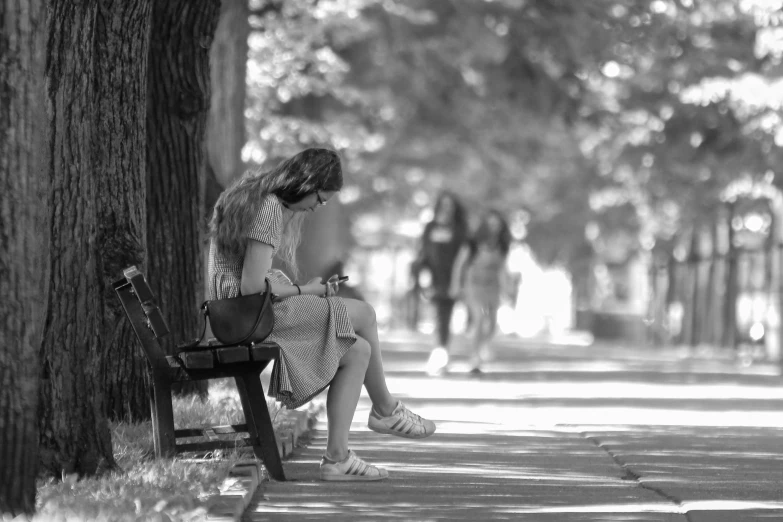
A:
[291,181]
[483,235]
[459,220]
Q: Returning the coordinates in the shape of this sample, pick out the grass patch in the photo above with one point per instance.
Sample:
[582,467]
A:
[145,488]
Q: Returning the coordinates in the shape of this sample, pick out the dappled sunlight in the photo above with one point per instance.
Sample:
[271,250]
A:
[544,449]
[562,388]
[653,507]
[596,415]
[556,436]
[513,406]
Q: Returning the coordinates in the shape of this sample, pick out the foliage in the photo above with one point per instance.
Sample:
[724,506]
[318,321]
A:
[630,116]
[147,488]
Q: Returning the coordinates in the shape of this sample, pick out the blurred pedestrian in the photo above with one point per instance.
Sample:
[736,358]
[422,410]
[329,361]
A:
[483,279]
[441,242]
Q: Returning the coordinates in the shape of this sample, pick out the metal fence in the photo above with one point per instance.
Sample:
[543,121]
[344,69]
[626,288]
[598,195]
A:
[730,300]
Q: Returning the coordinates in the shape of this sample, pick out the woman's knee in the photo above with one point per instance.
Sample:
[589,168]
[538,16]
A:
[361,313]
[359,353]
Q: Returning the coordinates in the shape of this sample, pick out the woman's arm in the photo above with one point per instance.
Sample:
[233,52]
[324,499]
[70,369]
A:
[458,272]
[420,260]
[258,261]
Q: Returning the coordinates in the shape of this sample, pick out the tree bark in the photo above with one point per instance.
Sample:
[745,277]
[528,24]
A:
[23,240]
[179,98]
[121,211]
[96,78]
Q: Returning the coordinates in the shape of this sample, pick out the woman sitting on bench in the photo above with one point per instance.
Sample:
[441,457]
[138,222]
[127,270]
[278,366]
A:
[324,340]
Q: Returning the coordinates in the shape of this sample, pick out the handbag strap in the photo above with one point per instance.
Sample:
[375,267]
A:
[267,297]
[195,345]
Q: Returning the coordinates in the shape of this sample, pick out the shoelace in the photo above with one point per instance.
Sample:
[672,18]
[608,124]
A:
[413,420]
[408,413]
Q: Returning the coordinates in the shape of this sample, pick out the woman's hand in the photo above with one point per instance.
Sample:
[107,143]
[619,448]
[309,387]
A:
[332,285]
[315,287]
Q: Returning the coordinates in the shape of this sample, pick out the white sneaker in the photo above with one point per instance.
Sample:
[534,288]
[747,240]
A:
[351,469]
[438,361]
[402,423]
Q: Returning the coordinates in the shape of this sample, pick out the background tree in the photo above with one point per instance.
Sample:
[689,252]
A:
[177,109]
[97,86]
[226,130]
[641,104]
[23,247]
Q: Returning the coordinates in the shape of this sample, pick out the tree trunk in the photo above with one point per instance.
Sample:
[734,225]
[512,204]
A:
[96,73]
[673,282]
[657,307]
[121,209]
[714,287]
[23,241]
[178,104]
[228,63]
[695,260]
[226,134]
[730,304]
[326,241]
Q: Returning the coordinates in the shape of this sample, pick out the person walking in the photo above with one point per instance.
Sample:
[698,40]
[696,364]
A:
[325,341]
[441,241]
[482,279]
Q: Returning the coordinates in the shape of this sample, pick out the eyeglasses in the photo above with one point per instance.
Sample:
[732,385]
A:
[320,201]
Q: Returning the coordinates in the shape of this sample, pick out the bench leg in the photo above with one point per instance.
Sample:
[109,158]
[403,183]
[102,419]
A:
[259,424]
[162,418]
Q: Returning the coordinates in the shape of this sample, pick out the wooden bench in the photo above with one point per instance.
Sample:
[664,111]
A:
[243,363]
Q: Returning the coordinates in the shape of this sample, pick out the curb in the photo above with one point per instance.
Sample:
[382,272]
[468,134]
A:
[245,477]
[236,491]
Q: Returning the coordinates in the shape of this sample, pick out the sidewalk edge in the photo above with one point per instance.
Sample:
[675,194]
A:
[246,477]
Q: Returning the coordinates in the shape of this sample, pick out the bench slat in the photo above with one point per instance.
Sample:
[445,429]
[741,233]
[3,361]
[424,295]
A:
[266,351]
[232,354]
[198,360]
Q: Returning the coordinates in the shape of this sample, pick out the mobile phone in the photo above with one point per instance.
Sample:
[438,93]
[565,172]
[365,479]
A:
[340,279]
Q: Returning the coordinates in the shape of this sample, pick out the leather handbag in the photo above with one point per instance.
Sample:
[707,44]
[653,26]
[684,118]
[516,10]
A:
[238,320]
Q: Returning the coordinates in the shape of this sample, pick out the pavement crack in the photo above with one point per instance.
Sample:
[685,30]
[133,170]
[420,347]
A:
[626,473]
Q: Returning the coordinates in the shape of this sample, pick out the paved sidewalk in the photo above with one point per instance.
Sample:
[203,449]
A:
[545,436]
[555,476]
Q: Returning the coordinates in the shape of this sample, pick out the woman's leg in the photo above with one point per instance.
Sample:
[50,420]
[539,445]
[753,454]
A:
[479,332]
[492,322]
[342,397]
[362,316]
[439,357]
[444,309]
[489,332]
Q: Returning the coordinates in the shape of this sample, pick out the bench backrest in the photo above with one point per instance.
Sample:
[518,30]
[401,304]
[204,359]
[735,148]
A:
[142,311]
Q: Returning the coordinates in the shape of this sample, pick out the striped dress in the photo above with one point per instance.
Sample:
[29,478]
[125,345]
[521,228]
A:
[483,281]
[313,332]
